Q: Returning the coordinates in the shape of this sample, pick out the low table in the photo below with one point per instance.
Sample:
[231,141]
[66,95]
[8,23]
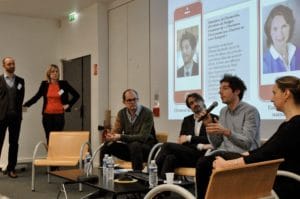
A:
[112,189]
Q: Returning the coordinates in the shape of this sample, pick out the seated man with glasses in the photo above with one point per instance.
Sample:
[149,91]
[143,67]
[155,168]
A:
[133,134]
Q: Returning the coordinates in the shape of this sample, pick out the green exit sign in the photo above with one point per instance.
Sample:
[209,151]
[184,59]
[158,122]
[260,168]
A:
[73,16]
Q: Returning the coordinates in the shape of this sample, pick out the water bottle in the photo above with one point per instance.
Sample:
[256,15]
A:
[104,165]
[110,168]
[87,162]
[153,179]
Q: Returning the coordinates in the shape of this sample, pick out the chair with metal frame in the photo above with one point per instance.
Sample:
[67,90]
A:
[249,181]
[191,171]
[287,174]
[65,148]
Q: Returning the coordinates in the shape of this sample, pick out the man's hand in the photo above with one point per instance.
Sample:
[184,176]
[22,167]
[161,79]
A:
[207,146]
[208,119]
[217,128]
[112,136]
[182,139]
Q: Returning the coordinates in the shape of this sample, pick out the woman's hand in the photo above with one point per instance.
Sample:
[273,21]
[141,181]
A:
[219,163]
[66,106]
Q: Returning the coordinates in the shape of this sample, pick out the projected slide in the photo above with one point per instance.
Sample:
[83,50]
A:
[225,50]
[187,57]
[185,37]
[279,43]
[246,38]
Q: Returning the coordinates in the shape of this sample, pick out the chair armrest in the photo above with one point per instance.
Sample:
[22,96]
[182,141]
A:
[97,151]
[94,155]
[169,187]
[152,152]
[36,148]
[288,174]
[81,152]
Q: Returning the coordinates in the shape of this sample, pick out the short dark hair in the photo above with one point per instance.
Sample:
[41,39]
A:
[127,90]
[194,95]
[288,16]
[4,59]
[190,37]
[235,83]
[290,83]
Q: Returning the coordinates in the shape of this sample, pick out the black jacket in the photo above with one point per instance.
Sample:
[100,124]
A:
[187,128]
[64,86]
[20,87]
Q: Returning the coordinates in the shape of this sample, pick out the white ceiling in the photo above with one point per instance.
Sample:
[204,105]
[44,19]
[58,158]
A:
[48,9]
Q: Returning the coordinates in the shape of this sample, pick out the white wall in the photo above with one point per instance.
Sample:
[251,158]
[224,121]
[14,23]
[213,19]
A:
[33,43]
[85,37]
[129,53]
[159,66]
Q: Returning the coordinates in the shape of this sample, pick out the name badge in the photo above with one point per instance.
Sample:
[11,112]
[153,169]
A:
[19,86]
[61,91]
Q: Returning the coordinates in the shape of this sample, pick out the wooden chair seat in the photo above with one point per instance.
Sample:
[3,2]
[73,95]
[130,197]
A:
[54,162]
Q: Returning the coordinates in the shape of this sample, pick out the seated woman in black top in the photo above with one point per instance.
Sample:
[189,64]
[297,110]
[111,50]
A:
[283,144]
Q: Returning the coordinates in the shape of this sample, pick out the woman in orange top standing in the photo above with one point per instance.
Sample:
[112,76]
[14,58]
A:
[55,93]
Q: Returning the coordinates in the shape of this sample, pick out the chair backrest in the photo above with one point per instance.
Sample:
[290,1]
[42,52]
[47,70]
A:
[248,182]
[67,144]
[162,136]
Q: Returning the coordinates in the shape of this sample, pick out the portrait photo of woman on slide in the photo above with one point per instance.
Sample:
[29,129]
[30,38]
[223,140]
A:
[281,54]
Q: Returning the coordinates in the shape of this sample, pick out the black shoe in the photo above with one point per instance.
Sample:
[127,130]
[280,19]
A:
[12,174]
[4,172]
[54,168]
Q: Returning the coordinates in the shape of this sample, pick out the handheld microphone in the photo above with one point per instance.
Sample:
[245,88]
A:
[208,110]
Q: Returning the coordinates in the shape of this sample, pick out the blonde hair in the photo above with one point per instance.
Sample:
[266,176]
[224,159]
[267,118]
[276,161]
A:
[50,67]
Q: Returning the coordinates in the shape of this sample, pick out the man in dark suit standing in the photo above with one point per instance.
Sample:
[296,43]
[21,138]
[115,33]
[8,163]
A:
[192,141]
[11,99]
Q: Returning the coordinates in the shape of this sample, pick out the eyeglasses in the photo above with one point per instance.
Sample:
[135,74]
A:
[131,100]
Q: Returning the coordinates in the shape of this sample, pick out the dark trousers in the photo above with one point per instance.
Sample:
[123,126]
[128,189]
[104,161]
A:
[53,122]
[13,124]
[136,152]
[286,188]
[204,170]
[173,155]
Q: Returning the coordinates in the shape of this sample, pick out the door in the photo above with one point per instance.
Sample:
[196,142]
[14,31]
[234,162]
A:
[77,72]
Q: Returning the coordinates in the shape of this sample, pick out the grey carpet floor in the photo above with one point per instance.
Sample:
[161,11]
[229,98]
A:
[20,188]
